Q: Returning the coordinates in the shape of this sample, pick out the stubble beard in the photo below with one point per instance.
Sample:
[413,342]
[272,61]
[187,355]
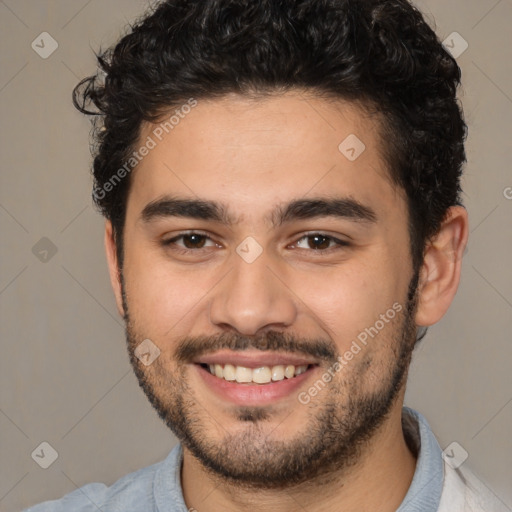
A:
[332,440]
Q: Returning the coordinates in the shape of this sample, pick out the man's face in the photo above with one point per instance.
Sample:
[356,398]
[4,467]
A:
[297,293]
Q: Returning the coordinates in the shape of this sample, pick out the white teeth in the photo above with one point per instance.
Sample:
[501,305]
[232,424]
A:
[243,374]
[229,372]
[300,369]
[261,375]
[278,372]
[289,371]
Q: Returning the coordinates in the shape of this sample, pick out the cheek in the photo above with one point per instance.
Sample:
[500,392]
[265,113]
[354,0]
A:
[348,300]
[160,297]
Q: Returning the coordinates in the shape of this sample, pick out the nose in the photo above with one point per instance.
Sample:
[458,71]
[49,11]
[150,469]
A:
[252,297]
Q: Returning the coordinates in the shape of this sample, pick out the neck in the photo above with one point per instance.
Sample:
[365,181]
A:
[378,481]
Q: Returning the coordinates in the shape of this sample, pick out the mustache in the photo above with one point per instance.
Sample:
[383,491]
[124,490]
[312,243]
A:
[192,348]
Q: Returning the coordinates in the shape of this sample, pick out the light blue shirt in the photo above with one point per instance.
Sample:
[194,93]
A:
[424,493]
[157,488]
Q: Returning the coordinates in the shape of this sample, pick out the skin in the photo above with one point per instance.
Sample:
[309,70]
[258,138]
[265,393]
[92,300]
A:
[252,155]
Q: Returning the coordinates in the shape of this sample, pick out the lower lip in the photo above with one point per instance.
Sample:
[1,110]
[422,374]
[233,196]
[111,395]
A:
[253,394]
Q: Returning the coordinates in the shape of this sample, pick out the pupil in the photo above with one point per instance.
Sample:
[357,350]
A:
[324,241]
[194,238]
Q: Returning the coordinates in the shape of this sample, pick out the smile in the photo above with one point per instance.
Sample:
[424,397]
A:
[254,377]
[260,375]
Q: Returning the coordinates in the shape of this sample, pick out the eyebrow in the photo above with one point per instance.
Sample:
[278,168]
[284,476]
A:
[344,208]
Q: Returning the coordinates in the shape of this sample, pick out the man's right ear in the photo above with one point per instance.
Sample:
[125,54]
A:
[113,267]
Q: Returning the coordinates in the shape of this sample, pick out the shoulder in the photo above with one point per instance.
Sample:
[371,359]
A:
[460,490]
[463,491]
[133,491]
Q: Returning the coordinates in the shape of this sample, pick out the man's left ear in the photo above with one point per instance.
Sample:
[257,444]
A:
[440,272]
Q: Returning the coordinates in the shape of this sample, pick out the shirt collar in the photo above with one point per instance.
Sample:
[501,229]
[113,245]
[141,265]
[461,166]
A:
[424,493]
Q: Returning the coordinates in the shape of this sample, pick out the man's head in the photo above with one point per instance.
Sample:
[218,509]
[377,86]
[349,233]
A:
[281,181]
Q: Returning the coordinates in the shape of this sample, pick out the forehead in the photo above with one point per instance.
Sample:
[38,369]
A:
[256,152]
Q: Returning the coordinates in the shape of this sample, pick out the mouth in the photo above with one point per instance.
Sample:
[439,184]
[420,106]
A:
[259,375]
[252,377]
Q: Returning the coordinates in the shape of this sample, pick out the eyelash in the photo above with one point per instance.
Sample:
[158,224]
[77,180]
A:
[180,250]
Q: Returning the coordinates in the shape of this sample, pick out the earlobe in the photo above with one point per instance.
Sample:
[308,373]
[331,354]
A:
[113,267]
[440,272]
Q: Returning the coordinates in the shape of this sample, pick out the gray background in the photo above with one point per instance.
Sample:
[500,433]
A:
[64,374]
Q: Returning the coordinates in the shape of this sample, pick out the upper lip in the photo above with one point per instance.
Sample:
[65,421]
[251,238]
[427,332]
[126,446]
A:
[254,359]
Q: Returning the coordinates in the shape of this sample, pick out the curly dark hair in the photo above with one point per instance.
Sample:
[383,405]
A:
[379,53]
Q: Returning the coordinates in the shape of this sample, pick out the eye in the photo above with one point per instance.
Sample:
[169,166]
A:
[320,242]
[193,241]
[190,241]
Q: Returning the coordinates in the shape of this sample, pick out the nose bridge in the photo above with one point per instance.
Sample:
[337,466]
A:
[252,296]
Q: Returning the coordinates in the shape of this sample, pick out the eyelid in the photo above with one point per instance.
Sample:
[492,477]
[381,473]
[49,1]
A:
[339,242]
[168,241]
